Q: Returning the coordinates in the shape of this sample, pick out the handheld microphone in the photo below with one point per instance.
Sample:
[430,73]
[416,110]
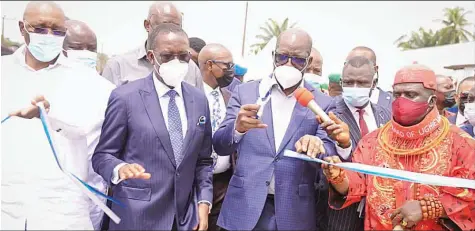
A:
[306,99]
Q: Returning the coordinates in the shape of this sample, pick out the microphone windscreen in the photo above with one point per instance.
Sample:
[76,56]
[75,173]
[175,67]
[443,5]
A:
[303,96]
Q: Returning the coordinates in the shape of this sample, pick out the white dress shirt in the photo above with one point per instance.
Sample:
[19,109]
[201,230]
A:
[460,120]
[375,95]
[282,109]
[164,99]
[34,190]
[222,162]
[368,117]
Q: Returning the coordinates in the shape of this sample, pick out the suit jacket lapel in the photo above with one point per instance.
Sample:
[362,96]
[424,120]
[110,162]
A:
[226,95]
[267,119]
[380,117]
[191,115]
[298,115]
[151,102]
[348,118]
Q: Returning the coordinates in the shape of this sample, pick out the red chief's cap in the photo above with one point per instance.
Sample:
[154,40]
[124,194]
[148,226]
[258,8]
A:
[416,73]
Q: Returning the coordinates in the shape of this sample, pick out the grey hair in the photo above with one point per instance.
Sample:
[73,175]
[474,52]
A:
[164,28]
[359,61]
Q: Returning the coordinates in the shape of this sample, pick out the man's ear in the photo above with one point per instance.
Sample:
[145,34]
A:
[151,57]
[433,101]
[146,25]
[21,25]
[209,65]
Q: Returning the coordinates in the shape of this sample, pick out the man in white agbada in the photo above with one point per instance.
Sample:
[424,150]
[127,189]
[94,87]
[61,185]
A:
[36,194]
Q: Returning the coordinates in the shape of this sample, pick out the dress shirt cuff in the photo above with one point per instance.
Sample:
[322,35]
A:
[344,153]
[115,174]
[237,136]
[206,202]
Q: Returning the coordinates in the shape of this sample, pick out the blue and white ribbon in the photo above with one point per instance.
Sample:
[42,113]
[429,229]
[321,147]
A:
[396,174]
[87,189]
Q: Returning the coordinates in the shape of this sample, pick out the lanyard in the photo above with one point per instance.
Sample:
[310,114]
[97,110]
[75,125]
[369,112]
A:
[90,191]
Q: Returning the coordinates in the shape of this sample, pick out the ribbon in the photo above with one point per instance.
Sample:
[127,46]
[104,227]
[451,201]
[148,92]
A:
[87,189]
[420,178]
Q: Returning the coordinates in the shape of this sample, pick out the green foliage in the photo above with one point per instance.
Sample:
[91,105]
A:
[270,30]
[453,32]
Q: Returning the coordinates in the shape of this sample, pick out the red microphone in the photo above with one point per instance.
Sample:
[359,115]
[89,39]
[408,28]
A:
[306,99]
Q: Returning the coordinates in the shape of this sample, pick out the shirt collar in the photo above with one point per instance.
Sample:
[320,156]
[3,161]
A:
[142,52]
[354,109]
[460,119]
[162,89]
[20,55]
[208,89]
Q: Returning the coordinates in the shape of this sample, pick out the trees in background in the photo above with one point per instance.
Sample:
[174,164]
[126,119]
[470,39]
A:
[269,30]
[453,31]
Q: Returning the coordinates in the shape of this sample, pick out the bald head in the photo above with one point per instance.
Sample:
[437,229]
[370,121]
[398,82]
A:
[79,36]
[215,61]
[295,41]
[362,51]
[42,15]
[162,12]
[317,63]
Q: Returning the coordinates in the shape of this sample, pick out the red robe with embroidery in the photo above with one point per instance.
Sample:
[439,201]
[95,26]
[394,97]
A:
[454,156]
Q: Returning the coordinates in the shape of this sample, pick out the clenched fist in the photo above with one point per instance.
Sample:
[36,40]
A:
[337,130]
[133,171]
[246,118]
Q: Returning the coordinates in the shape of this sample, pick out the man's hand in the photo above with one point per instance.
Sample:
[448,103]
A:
[246,118]
[407,215]
[337,130]
[133,171]
[330,171]
[33,110]
[203,212]
[311,145]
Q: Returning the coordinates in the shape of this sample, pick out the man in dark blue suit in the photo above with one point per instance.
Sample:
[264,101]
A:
[268,191]
[155,146]
[463,87]
[362,116]
[378,96]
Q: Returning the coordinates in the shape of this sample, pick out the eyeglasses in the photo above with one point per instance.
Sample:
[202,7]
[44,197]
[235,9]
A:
[297,62]
[466,97]
[229,65]
[166,57]
[42,30]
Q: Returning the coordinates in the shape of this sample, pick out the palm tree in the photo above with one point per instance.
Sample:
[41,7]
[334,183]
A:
[419,39]
[271,29]
[455,24]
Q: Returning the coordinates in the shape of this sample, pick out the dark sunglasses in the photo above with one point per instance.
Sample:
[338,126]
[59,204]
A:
[167,57]
[465,97]
[282,59]
[229,65]
[42,30]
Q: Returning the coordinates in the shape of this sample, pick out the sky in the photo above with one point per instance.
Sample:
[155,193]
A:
[335,26]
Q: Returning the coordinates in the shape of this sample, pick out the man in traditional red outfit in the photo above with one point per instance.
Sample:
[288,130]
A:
[417,139]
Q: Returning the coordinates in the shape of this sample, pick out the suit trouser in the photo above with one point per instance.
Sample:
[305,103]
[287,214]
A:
[220,186]
[267,219]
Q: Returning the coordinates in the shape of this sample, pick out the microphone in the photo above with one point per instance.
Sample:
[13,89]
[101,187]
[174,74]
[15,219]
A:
[306,99]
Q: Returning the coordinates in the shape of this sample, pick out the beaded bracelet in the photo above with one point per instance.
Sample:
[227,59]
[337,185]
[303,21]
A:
[431,208]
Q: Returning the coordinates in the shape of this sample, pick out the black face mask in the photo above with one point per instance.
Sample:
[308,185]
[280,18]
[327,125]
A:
[449,99]
[226,79]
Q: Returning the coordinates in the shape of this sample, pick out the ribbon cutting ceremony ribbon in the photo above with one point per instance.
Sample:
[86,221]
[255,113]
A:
[87,189]
[396,174]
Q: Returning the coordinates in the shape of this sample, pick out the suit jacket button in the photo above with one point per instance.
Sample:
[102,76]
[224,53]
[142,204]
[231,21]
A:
[267,183]
[177,174]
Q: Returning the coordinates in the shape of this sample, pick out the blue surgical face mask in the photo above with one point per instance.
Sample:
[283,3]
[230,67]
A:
[356,96]
[85,57]
[45,47]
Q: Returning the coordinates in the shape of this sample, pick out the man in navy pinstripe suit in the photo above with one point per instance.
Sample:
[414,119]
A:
[362,116]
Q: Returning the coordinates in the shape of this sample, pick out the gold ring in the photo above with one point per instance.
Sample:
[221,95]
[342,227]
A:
[404,223]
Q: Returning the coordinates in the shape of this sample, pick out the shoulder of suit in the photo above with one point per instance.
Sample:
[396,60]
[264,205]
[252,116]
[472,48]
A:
[247,85]
[131,87]
[193,90]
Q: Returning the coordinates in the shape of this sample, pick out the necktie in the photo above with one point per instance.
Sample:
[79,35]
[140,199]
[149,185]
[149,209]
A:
[363,126]
[174,127]
[215,121]
[216,111]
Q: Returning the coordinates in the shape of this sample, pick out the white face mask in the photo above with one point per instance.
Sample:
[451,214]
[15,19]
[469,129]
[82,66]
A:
[469,113]
[356,96]
[45,47]
[287,76]
[85,57]
[172,72]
